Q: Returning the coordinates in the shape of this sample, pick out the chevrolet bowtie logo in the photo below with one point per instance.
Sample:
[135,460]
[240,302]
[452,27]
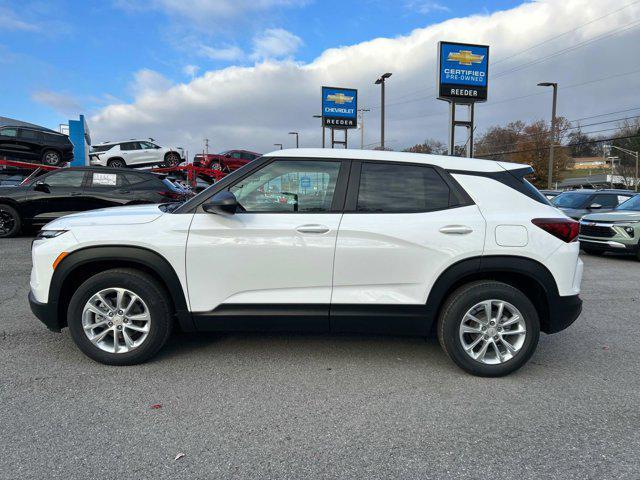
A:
[339,98]
[464,57]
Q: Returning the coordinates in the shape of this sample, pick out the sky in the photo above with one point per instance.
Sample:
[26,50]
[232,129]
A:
[243,73]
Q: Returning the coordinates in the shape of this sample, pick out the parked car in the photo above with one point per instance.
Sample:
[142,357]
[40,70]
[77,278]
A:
[551,194]
[577,203]
[71,190]
[134,153]
[226,161]
[374,241]
[617,231]
[33,144]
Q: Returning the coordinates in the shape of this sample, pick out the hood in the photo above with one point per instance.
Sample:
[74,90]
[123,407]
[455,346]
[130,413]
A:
[133,215]
[615,216]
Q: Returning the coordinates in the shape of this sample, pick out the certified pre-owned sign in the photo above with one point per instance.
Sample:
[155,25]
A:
[339,107]
[463,71]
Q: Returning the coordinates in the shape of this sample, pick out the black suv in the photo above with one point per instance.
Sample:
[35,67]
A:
[72,190]
[33,144]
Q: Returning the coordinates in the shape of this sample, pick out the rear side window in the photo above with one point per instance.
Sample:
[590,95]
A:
[101,148]
[52,138]
[130,146]
[29,134]
[393,188]
[134,178]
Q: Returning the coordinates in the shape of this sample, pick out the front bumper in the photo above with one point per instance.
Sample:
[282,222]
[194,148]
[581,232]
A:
[563,311]
[609,245]
[47,313]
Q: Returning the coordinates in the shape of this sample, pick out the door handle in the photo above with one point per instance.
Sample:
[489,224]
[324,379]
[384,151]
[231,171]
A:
[456,230]
[314,228]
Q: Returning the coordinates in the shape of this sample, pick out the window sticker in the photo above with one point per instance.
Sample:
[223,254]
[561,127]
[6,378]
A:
[108,179]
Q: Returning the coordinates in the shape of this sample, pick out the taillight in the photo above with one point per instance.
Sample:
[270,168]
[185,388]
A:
[563,228]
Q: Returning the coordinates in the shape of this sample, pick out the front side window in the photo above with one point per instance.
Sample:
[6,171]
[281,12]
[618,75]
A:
[68,179]
[606,200]
[284,186]
[571,200]
[393,188]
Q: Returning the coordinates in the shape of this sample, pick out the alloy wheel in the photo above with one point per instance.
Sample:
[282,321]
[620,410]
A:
[492,332]
[51,158]
[116,320]
[7,222]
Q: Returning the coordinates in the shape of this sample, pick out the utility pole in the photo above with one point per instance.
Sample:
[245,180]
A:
[633,154]
[323,127]
[297,138]
[206,147]
[553,128]
[278,145]
[362,112]
[381,81]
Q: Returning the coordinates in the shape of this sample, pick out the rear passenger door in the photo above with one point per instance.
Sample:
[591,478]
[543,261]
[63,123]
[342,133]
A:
[106,189]
[29,143]
[403,225]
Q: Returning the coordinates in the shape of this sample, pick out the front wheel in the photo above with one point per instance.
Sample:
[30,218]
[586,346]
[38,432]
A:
[120,317]
[488,328]
[9,221]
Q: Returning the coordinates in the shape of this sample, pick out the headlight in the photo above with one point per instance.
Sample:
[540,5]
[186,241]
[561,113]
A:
[43,234]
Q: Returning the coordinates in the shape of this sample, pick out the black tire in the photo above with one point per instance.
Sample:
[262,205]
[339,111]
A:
[51,158]
[171,159]
[144,286]
[117,163]
[592,251]
[10,222]
[459,303]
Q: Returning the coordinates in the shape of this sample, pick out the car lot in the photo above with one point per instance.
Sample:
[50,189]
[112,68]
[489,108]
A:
[297,406]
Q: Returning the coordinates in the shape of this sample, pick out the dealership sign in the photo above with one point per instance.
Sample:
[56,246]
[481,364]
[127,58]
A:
[462,72]
[339,107]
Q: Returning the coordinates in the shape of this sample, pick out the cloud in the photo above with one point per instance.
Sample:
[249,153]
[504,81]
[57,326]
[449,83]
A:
[227,53]
[203,11]
[275,43]
[147,82]
[255,106]
[190,70]
[9,21]
[61,102]
[425,7]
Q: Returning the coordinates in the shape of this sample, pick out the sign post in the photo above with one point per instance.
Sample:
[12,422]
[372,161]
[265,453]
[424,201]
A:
[339,111]
[463,71]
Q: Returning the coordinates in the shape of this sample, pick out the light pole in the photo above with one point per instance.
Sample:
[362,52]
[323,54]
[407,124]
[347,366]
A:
[553,128]
[362,112]
[323,133]
[278,145]
[381,81]
[633,154]
[297,137]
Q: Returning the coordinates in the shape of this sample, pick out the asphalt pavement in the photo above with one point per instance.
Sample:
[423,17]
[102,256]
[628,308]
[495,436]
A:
[301,406]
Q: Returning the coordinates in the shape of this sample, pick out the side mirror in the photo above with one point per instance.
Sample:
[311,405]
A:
[223,202]
[595,206]
[42,187]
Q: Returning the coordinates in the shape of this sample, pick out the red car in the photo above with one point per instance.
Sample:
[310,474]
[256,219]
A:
[226,161]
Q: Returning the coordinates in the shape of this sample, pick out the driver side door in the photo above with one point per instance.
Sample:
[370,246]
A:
[274,257]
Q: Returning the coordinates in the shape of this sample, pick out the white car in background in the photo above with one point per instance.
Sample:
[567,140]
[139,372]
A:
[134,153]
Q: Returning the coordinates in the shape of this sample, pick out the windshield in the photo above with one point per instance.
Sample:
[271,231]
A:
[570,200]
[632,204]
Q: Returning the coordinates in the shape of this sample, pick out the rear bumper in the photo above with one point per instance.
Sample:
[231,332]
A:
[563,311]
[46,313]
[608,245]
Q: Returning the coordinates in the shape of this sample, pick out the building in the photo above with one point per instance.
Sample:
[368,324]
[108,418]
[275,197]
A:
[588,163]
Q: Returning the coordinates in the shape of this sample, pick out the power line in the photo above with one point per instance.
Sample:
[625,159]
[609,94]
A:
[564,33]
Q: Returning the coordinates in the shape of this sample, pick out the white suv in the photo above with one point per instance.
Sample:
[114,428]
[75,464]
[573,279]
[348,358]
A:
[134,153]
[322,241]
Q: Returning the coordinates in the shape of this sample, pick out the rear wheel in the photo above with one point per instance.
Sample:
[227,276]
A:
[51,158]
[120,317]
[488,328]
[10,222]
[116,163]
